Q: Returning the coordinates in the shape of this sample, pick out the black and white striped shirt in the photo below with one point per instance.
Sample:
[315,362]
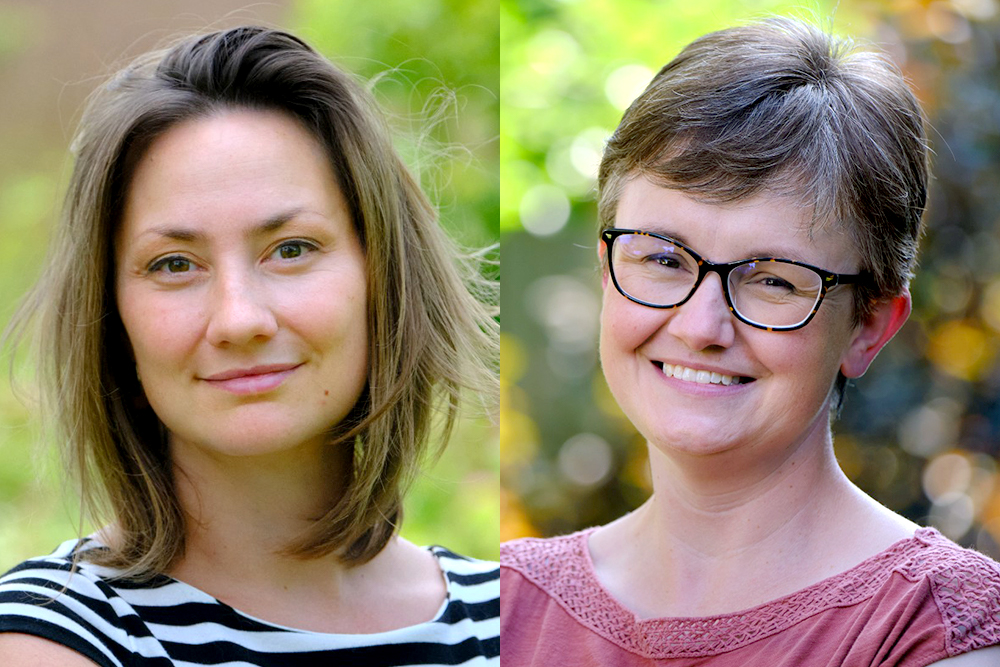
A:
[166,622]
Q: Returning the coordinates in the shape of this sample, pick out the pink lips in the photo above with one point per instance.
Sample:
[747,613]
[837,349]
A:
[255,380]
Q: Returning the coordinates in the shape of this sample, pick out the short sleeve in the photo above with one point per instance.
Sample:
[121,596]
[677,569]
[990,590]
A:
[967,593]
[46,598]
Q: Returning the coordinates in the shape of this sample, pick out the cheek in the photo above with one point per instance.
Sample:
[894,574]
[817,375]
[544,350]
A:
[609,335]
[625,325]
[159,327]
[333,316]
[806,366]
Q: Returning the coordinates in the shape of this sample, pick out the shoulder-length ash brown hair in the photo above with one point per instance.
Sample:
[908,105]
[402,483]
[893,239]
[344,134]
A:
[432,329]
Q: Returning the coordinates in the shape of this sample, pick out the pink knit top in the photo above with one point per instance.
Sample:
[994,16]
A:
[922,600]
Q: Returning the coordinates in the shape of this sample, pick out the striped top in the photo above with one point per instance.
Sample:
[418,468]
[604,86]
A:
[165,622]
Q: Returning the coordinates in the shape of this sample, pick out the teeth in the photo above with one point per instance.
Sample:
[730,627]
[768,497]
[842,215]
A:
[701,377]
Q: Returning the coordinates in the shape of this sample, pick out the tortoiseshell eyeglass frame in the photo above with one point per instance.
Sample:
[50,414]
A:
[828,279]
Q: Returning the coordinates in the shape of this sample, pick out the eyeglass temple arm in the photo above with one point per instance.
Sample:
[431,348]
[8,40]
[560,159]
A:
[834,279]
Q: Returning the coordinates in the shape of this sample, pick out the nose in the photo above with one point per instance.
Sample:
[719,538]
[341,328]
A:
[240,312]
[704,320]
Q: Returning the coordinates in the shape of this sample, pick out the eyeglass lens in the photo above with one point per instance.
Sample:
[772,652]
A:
[769,293]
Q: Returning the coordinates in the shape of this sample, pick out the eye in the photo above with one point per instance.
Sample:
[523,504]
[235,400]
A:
[776,282]
[171,264]
[293,249]
[668,261]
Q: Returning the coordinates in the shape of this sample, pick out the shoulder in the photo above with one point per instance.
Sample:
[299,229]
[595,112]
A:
[546,562]
[457,567]
[965,586]
[62,604]
[470,580]
[473,599]
[538,572]
[45,579]
[544,557]
[21,650]
[65,570]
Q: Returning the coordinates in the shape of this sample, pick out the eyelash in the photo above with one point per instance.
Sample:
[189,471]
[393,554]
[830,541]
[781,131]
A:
[160,265]
[306,247]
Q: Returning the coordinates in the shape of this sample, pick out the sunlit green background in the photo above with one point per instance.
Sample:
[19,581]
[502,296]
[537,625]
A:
[435,67]
[920,431]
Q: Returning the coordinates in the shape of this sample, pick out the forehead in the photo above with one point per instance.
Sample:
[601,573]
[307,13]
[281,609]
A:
[236,166]
[764,225]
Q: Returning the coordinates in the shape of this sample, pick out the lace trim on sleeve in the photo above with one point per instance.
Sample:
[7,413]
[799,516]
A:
[966,589]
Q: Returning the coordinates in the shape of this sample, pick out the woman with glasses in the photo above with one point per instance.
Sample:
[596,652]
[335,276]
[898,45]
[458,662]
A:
[253,329]
[760,206]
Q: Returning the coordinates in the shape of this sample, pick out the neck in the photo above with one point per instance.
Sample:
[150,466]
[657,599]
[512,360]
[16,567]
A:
[738,500]
[243,512]
[731,530]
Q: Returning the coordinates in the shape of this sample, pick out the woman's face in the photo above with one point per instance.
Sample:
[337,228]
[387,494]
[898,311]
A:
[241,285]
[792,372]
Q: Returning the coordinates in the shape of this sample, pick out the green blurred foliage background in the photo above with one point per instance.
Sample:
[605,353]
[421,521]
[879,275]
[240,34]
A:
[920,432]
[434,66]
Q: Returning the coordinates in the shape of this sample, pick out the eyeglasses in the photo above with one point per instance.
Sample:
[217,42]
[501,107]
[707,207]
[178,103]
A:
[765,292]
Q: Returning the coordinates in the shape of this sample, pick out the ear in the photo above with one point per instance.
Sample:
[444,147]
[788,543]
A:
[602,260]
[870,337]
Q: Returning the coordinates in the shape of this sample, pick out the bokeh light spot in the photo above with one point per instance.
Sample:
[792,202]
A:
[947,474]
[976,9]
[585,459]
[960,349]
[953,514]
[586,151]
[568,309]
[551,52]
[626,83]
[931,428]
[946,24]
[544,210]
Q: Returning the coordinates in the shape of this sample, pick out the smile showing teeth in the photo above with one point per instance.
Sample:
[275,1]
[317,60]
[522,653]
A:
[701,377]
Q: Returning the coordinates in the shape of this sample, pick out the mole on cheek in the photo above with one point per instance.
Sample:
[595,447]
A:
[326,392]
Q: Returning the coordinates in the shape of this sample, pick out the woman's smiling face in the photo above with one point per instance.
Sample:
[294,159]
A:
[785,395]
[241,284]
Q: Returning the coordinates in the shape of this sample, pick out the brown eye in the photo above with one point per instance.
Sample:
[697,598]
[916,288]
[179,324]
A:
[171,265]
[293,249]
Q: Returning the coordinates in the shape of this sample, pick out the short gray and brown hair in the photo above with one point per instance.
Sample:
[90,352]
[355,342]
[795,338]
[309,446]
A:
[779,105]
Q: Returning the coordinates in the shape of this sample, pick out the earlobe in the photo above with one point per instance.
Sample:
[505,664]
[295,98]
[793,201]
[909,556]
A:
[603,261]
[870,337]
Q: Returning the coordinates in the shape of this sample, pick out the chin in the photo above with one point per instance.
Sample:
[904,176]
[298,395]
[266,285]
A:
[251,438]
[692,439]
[672,446]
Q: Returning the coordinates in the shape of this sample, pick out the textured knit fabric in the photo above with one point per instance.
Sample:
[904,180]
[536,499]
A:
[166,622]
[924,599]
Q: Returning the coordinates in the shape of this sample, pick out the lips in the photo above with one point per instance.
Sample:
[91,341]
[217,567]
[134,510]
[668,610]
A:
[253,380]
[702,375]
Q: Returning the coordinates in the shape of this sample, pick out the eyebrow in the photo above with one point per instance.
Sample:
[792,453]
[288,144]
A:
[267,226]
[757,252]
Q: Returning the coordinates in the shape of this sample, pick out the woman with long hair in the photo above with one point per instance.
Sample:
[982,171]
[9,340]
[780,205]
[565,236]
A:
[251,328]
